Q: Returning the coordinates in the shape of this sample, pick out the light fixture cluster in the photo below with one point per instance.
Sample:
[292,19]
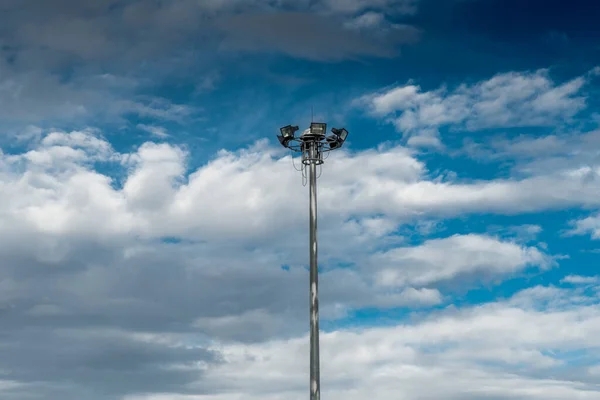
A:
[315,134]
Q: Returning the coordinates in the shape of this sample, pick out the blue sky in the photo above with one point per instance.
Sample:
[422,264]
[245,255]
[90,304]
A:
[153,233]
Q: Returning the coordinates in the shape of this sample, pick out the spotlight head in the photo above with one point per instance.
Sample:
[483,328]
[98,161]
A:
[288,131]
[338,138]
[318,129]
[341,133]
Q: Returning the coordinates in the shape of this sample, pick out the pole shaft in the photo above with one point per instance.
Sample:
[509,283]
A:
[315,384]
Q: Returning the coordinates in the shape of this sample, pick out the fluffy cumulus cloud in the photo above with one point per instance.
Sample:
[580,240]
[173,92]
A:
[155,195]
[149,269]
[444,259]
[501,350]
[137,257]
[527,99]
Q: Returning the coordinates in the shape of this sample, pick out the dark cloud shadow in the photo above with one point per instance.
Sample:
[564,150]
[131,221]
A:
[308,36]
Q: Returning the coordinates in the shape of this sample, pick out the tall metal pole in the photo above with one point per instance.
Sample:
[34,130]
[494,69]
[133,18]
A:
[315,383]
[312,144]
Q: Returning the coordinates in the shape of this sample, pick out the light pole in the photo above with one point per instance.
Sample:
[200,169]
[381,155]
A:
[312,144]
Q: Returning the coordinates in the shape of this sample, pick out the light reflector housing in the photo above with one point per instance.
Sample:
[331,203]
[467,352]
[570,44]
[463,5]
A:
[338,138]
[343,134]
[318,128]
[288,131]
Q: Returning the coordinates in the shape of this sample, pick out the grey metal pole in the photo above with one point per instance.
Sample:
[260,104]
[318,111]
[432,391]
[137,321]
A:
[315,384]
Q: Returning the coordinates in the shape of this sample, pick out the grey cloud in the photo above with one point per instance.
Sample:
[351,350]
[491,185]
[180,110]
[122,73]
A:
[308,36]
[178,289]
[46,98]
[53,33]
[61,282]
[399,7]
[69,325]
[98,362]
[52,52]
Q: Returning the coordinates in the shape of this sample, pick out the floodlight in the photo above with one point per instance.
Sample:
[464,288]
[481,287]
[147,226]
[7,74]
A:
[318,128]
[288,131]
[343,134]
[338,138]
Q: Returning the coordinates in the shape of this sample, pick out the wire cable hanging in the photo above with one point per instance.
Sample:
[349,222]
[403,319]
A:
[296,168]
[304,177]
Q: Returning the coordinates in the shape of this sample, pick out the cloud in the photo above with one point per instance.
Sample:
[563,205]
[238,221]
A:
[367,20]
[102,31]
[307,36]
[71,65]
[98,31]
[396,7]
[133,271]
[513,99]
[446,259]
[157,131]
[98,363]
[534,154]
[155,186]
[587,226]
[136,254]
[70,206]
[42,97]
[494,351]
[580,280]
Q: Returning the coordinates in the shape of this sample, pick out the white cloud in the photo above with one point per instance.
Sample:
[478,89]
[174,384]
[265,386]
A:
[580,280]
[159,198]
[92,241]
[157,131]
[375,23]
[500,350]
[157,108]
[505,100]
[54,190]
[572,154]
[409,296]
[446,259]
[118,270]
[589,225]
[367,20]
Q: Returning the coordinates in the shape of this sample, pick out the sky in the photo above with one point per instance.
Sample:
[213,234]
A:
[154,234]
